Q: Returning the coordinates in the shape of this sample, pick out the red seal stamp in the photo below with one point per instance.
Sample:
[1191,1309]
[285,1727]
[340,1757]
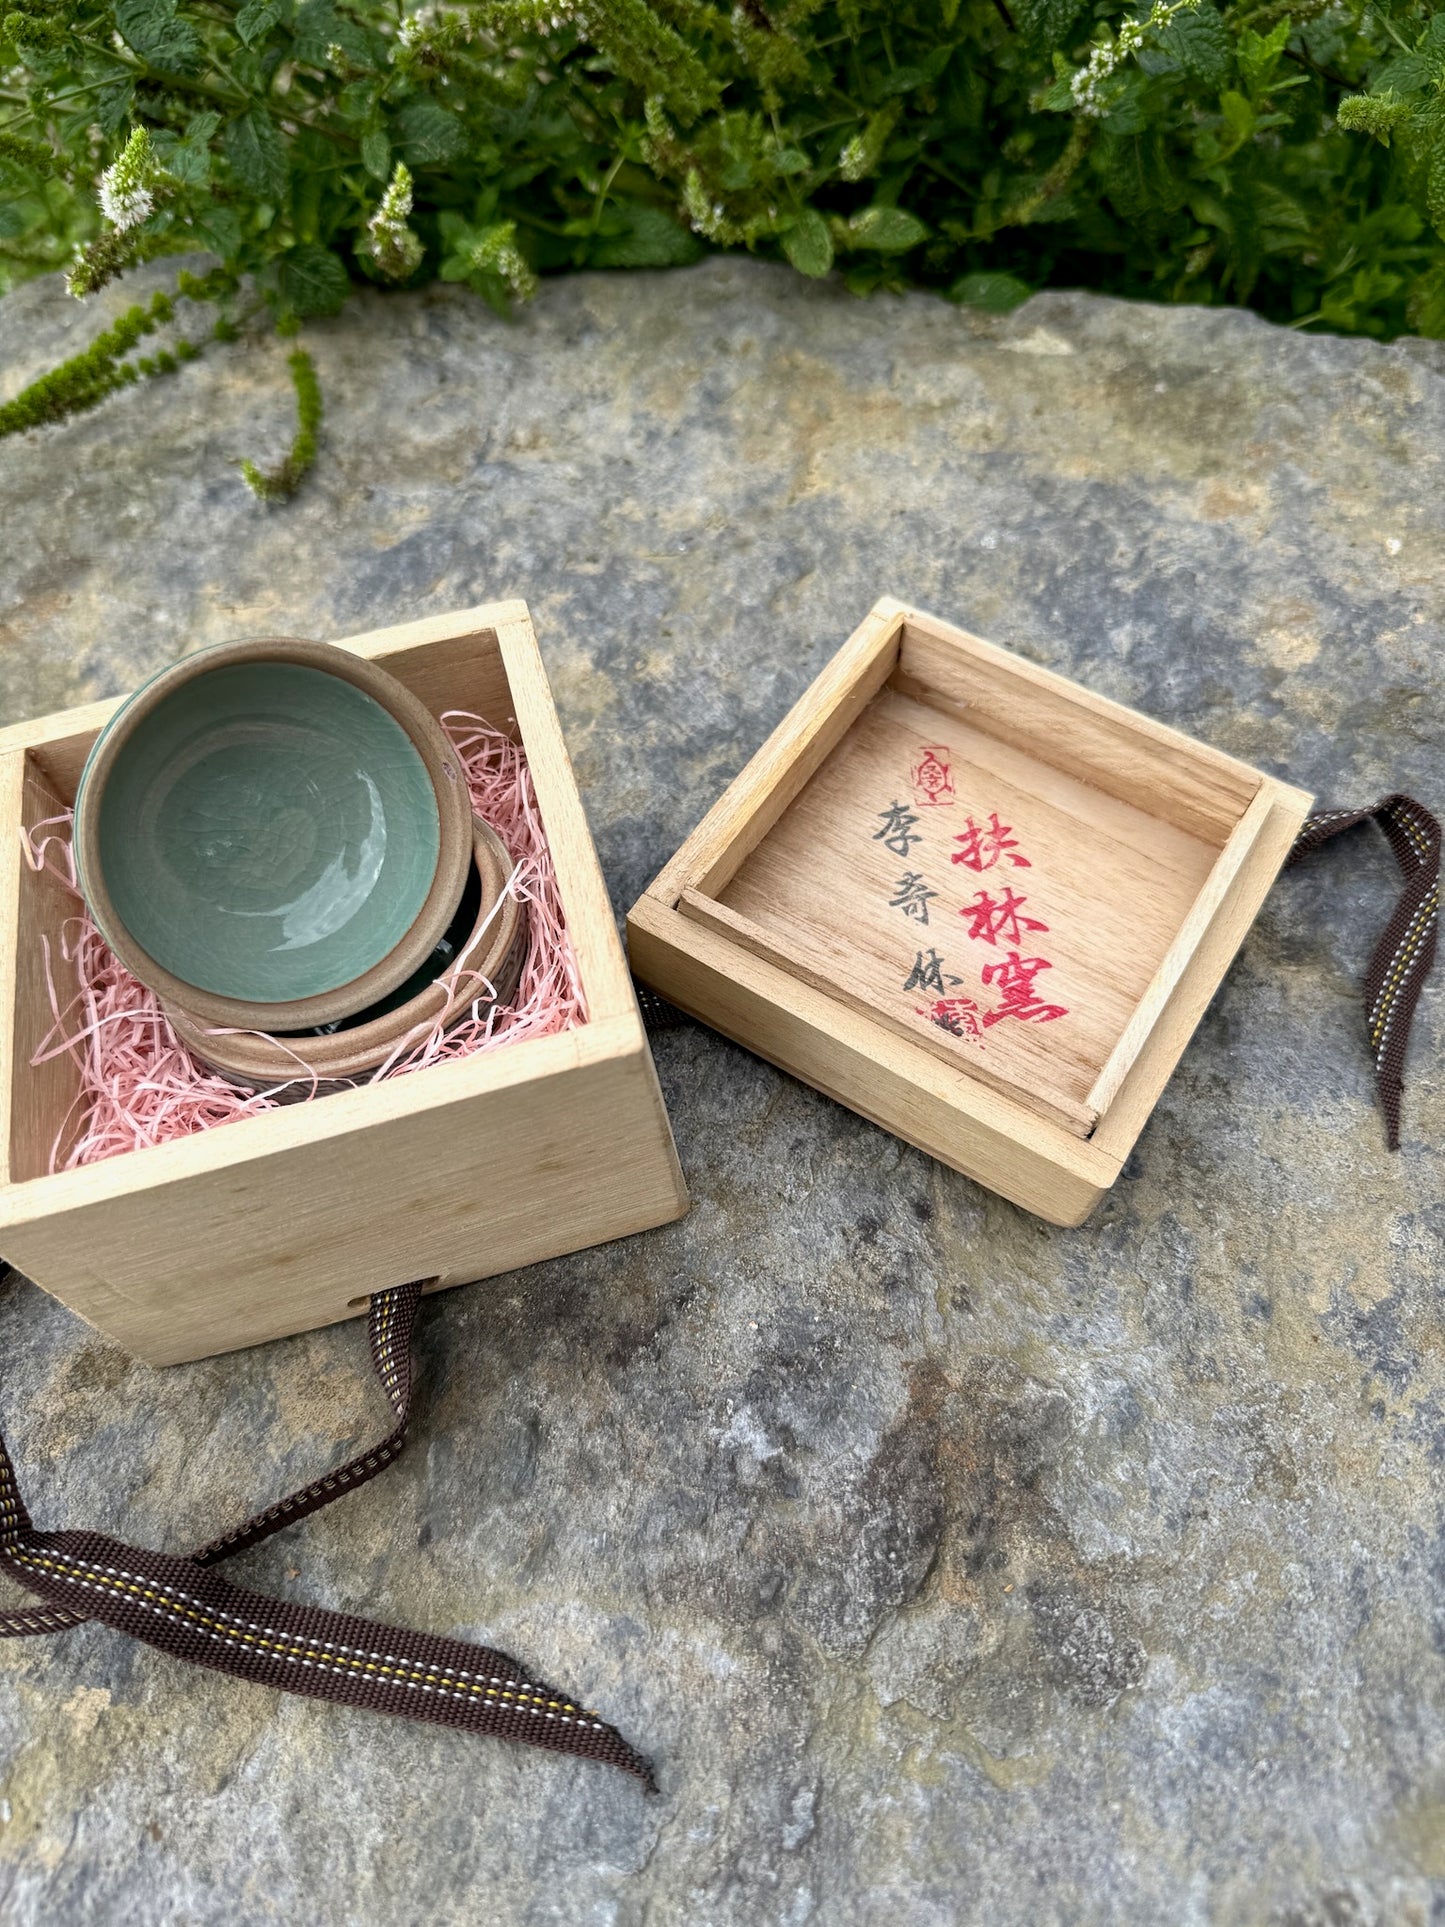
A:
[959,1016]
[932,775]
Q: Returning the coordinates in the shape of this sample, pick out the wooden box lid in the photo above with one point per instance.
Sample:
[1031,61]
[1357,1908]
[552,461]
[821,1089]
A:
[977,902]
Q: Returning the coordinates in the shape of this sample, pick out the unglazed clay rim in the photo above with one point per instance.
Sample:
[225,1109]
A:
[260,1061]
[453,819]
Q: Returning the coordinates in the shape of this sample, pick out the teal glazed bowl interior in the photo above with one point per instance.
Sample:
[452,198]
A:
[267,834]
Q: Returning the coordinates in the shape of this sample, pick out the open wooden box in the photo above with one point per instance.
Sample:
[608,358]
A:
[972,901]
[278,1223]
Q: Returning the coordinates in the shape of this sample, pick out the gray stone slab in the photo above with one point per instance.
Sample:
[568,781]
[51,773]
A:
[952,1567]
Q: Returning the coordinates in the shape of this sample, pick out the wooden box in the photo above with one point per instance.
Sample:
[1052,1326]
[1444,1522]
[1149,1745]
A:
[288,1220]
[972,901]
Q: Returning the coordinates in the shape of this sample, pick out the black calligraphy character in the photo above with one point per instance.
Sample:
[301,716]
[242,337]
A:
[927,974]
[912,896]
[897,833]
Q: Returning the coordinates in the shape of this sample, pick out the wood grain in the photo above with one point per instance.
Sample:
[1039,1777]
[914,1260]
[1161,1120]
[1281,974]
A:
[1182,782]
[885,1078]
[590,920]
[560,1150]
[1202,912]
[278,1223]
[830,964]
[43,1098]
[1110,884]
[1134,861]
[757,798]
[1175,1023]
[12,811]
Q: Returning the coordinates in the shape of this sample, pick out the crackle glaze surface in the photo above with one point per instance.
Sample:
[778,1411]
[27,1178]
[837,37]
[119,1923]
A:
[268,832]
[953,1567]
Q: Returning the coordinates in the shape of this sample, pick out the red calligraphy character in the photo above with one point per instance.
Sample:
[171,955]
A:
[1014,976]
[990,918]
[982,847]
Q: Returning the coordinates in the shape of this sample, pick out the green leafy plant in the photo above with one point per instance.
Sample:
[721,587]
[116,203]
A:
[1291,157]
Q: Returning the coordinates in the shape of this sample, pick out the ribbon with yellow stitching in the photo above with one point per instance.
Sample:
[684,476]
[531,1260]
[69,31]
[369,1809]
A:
[1403,956]
[182,1607]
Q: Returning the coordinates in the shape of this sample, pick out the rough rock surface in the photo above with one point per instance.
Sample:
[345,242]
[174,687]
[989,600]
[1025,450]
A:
[953,1567]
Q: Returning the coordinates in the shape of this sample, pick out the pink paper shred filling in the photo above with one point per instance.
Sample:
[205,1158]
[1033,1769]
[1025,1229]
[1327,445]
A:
[139,1084]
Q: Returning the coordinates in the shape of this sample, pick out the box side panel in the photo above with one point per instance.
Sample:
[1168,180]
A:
[455,670]
[45,733]
[252,1251]
[1188,784]
[12,808]
[832,974]
[1202,913]
[448,662]
[756,798]
[1201,977]
[41,1099]
[591,924]
[424,632]
[1033,1163]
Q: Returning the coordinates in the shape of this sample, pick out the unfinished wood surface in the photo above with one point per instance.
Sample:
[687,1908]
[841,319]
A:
[1202,913]
[277,1223]
[447,662]
[590,921]
[1085,872]
[60,744]
[832,966]
[1182,782]
[561,1148]
[755,800]
[42,1098]
[12,807]
[886,1078]
[1016,922]
[450,669]
[1128,1111]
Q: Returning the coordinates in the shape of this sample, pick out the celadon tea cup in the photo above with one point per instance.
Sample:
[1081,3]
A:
[475,968]
[273,833]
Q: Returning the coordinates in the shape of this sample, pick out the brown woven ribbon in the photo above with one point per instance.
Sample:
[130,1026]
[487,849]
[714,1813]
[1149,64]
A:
[1403,956]
[182,1608]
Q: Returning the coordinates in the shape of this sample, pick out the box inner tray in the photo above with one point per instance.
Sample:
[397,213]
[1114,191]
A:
[1000,911]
